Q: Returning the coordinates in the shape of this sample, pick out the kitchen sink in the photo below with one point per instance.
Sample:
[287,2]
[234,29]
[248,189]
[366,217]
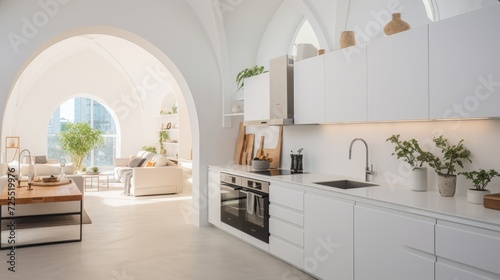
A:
[345,184]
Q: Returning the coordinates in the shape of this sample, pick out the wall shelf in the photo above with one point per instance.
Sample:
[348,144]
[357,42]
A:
[234,114]
[168,116]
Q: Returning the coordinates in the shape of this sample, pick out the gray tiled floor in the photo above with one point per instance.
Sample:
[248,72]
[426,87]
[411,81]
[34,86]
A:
[146,238]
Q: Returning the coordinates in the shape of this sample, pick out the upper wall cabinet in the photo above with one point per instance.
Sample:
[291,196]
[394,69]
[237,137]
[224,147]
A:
[257,100]
[345,85]
[398,87]
[309,90]
[465,65]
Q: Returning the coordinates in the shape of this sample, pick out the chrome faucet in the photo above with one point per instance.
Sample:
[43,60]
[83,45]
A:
[368,170]
[30,172]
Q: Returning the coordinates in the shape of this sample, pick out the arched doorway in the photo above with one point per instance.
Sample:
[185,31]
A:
[144,79]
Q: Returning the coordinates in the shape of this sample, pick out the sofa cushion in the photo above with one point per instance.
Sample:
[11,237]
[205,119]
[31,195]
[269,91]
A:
[40,159]
[148,158]
[161,161]
[3,168]
[136,162]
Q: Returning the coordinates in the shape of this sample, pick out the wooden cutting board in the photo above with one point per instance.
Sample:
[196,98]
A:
[492,201]
[260,150]
[238,152]
[248,151]
[275,153]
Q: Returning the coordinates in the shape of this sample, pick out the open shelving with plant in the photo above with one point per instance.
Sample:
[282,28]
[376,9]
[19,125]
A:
[168,129]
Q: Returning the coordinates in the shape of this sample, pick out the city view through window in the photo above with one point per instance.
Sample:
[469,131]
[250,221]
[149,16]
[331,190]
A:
[78,110]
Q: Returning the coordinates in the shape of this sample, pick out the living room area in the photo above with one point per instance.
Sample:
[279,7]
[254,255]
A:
[118,89]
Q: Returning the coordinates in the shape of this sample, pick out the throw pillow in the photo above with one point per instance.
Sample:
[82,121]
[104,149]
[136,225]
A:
[41,159]
[148,157]
[150,163]
[136,162]
[161,161]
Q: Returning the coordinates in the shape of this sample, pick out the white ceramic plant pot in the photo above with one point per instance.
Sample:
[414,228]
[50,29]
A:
[418,179]
[447,184]
[476,196]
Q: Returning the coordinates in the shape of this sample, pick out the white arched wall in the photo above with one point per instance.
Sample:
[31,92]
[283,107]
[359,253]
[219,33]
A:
[27,115]
[164,28]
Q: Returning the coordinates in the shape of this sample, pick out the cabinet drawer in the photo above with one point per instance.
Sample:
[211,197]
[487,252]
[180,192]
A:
[287,197]
[448,272]
[406,229]
[287,232]
[286,214]
[468,245]
[286,251]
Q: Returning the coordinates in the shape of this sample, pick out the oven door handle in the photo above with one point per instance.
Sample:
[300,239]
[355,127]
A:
[256,194]
[234,188]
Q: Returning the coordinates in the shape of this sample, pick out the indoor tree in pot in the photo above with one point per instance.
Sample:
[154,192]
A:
[78,139]
[411,153]
[445,167]
[480,179]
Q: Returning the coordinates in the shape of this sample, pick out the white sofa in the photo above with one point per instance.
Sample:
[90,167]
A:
[156,180]
[164,177]
[47,168]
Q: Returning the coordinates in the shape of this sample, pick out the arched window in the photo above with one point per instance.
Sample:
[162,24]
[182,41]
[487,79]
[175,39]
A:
[82,109]
[304,35]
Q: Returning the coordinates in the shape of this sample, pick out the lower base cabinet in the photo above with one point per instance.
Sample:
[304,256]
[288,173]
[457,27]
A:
[446,271]
[328,237]
[390,244]
[286,224]
[214,198]
[466,252]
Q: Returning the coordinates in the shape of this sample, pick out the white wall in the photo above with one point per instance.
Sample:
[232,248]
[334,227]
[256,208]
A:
[167,29]
[326,147]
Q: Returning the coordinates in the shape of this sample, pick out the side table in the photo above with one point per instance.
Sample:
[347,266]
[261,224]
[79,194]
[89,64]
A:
[98,176]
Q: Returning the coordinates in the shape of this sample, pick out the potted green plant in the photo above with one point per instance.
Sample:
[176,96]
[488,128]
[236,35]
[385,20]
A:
[78,139]
[246,73]
[93,171]
[410,152]
[162,137]
[480,179]
[151,149]
[445,166]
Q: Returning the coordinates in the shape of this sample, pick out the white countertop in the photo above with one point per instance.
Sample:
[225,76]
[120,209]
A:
[429,203]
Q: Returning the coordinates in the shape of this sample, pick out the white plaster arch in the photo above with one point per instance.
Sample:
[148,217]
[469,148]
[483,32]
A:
[283,27]
[176,78]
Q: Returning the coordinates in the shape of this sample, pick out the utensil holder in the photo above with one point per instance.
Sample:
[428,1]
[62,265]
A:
[296,164]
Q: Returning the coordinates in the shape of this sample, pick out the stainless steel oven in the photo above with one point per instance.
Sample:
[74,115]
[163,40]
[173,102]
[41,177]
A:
[245,205]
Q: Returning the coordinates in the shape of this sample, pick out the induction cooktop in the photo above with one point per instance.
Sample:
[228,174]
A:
[275,172]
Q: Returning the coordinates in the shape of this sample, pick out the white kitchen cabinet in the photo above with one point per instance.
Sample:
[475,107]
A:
[464,65]
[390,244]
[309,90]
[397,76]
[214,198]
[286,223]
[452,271]
[328,248]
[257,98]
[469,247]
[345,85]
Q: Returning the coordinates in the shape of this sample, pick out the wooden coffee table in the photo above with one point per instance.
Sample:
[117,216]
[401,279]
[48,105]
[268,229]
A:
[12,196]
